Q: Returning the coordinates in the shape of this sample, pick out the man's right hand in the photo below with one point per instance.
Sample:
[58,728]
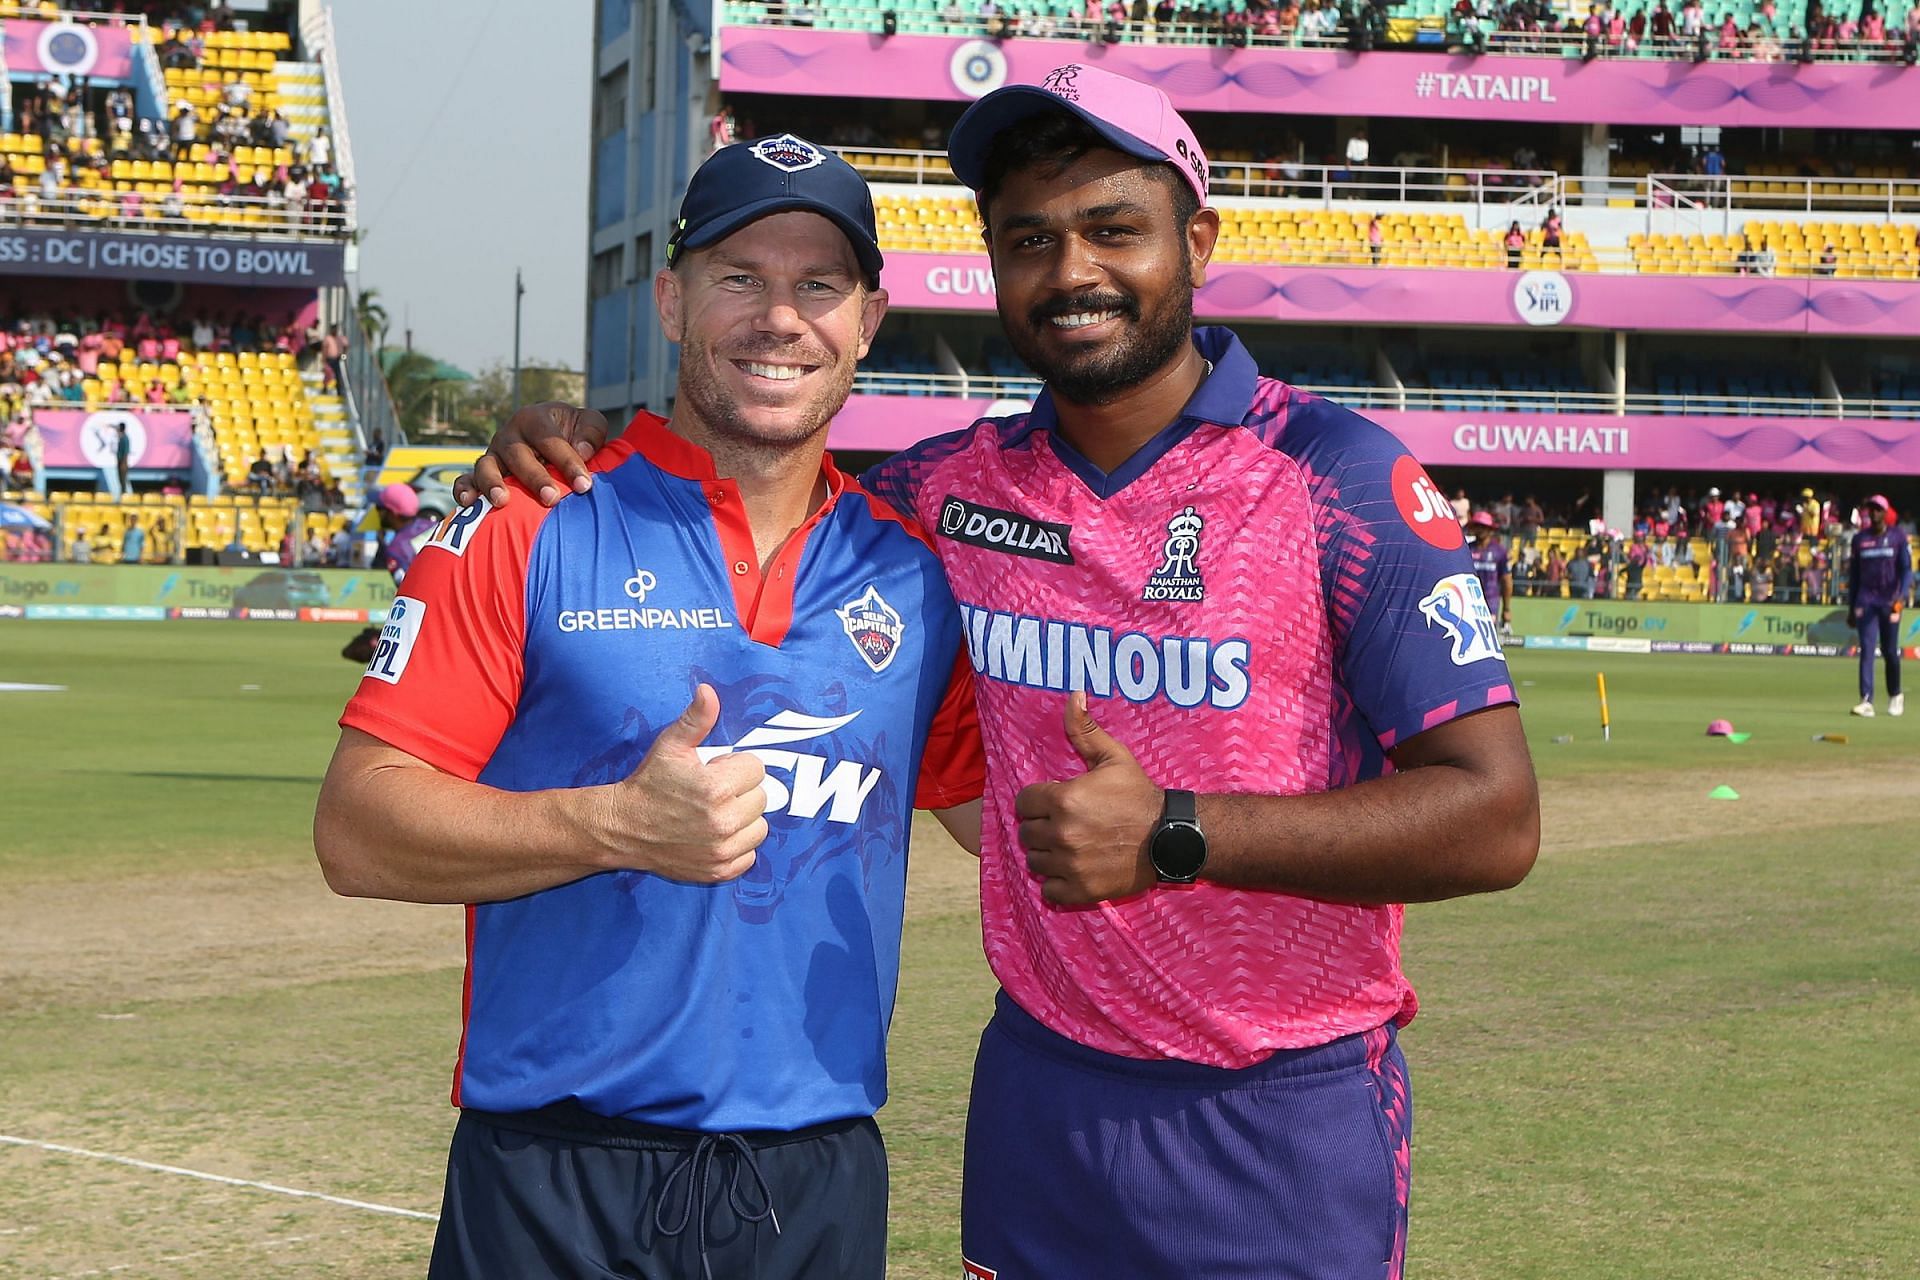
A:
[538,436]
[683,818]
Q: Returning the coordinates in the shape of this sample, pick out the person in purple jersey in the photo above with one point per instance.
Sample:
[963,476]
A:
[1490,565]
[1879,577]
[403,531]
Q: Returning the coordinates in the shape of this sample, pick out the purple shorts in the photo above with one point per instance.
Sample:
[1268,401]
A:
[1080,1163]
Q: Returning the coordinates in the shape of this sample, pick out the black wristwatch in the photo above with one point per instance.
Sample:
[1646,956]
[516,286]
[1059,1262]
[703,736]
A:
[1177,847]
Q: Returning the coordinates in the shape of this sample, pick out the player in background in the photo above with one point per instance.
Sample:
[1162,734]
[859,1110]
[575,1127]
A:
[1879,579]
[667,738]
[1489,552]
[403,531]
[1301,719]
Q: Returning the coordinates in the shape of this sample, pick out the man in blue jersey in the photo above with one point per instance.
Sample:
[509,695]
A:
[1879,579]
[665,739]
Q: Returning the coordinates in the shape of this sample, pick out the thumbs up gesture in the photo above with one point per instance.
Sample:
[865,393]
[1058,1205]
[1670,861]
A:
[683,818]
[1086,837]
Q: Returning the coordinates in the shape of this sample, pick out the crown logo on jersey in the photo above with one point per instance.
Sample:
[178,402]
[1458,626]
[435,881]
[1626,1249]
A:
[787,153]
[1178,577]
[874,626]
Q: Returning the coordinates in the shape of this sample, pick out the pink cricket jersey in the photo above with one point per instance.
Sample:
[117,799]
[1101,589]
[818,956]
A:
[1264,599]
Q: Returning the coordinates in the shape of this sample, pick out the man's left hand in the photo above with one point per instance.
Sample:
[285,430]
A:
[1086,837]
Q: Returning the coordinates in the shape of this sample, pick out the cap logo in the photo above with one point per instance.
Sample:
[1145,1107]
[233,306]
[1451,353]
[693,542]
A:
[787,153]
[1060,82]
[1195,161]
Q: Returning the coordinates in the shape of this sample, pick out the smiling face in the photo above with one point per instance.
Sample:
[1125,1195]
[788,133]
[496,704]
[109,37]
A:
[771,322]
[1095,272]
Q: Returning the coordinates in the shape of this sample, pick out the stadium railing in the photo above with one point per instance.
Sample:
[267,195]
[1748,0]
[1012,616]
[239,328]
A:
[1331,185]
[1809,195]
[868,381]
[102,209]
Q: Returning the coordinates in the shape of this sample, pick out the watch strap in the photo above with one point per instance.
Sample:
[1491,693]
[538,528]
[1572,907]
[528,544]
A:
[1180,806]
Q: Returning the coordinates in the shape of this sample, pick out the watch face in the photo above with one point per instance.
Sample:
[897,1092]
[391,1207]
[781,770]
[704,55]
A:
[1179,851]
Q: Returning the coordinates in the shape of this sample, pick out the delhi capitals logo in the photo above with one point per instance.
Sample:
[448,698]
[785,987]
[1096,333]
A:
[874,626]
[1178,578]
[787,153]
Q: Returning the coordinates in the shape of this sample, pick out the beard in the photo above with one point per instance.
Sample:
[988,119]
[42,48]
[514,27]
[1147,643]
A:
[744,424]
[1100,375]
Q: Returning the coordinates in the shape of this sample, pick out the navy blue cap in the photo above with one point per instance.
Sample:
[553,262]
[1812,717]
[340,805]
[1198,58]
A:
[749,180]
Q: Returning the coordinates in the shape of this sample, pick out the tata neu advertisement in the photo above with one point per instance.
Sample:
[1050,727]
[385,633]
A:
[1589,441]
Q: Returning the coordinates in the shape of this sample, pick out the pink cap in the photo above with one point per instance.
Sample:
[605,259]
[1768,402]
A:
[399,499]
[1481,518]
[1136,118]
[1719,728]
[1879,500]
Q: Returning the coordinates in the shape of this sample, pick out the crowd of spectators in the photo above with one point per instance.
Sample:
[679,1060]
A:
[1693,32]
[1749,548]
[87,129]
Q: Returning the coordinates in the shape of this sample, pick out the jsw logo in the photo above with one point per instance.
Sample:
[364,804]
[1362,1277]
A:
[842,790]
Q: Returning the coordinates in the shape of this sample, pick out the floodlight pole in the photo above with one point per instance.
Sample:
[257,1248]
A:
[519,292]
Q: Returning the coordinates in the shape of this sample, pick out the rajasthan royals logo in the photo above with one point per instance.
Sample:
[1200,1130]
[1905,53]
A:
[874,626]
[787,152]
[1178,578]
[1060,82]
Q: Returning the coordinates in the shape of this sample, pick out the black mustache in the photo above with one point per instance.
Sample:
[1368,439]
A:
[1045,311]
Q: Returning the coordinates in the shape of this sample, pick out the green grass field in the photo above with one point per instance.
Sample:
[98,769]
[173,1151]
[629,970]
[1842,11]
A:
[1685,1047]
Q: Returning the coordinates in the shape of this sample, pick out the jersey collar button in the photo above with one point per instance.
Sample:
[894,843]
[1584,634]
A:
[740,566]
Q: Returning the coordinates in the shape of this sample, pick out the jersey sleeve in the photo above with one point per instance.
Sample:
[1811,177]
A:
[1416,641]
[953,768]
[446,674]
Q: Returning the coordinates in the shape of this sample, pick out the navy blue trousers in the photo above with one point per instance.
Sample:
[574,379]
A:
[1877,624]
[1083,1164]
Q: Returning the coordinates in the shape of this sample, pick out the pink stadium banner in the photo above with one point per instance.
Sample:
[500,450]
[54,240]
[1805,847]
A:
[98,52]
[1369,295]
[1588,441]
[1274,82]
[157,439]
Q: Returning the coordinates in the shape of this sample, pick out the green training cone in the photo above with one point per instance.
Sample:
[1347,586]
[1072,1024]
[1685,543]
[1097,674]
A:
[1738,737]
[1723,792]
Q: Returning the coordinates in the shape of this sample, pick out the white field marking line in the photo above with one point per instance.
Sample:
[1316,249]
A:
[220,1178]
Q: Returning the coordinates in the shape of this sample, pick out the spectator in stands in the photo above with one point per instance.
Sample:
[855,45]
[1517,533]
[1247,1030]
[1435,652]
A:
[1581,578]
[1550,230]
[1662,27]
[1358,149]
[333,351]
[133,542]
[260,475]
[1515,242]
[1490,564]
[122,456]
[80,550]
[1376,238]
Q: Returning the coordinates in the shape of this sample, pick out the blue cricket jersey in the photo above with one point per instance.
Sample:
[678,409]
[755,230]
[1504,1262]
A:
[534,649]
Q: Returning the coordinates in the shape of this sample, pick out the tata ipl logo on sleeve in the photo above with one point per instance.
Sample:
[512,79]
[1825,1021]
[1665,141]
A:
[455,533]
[787,153]
[1178,578]
[397,635]
[1458,606]
[874,626]
[1007,531]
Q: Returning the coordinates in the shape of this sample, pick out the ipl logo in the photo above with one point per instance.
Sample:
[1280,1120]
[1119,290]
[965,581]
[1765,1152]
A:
[1178,577]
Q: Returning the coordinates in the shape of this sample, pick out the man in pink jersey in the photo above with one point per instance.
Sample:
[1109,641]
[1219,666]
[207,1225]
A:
[1300,719]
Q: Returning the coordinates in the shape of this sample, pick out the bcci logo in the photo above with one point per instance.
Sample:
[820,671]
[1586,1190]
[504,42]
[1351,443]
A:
[787,153]
[874,626]
[1543,297]
[1178,577]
